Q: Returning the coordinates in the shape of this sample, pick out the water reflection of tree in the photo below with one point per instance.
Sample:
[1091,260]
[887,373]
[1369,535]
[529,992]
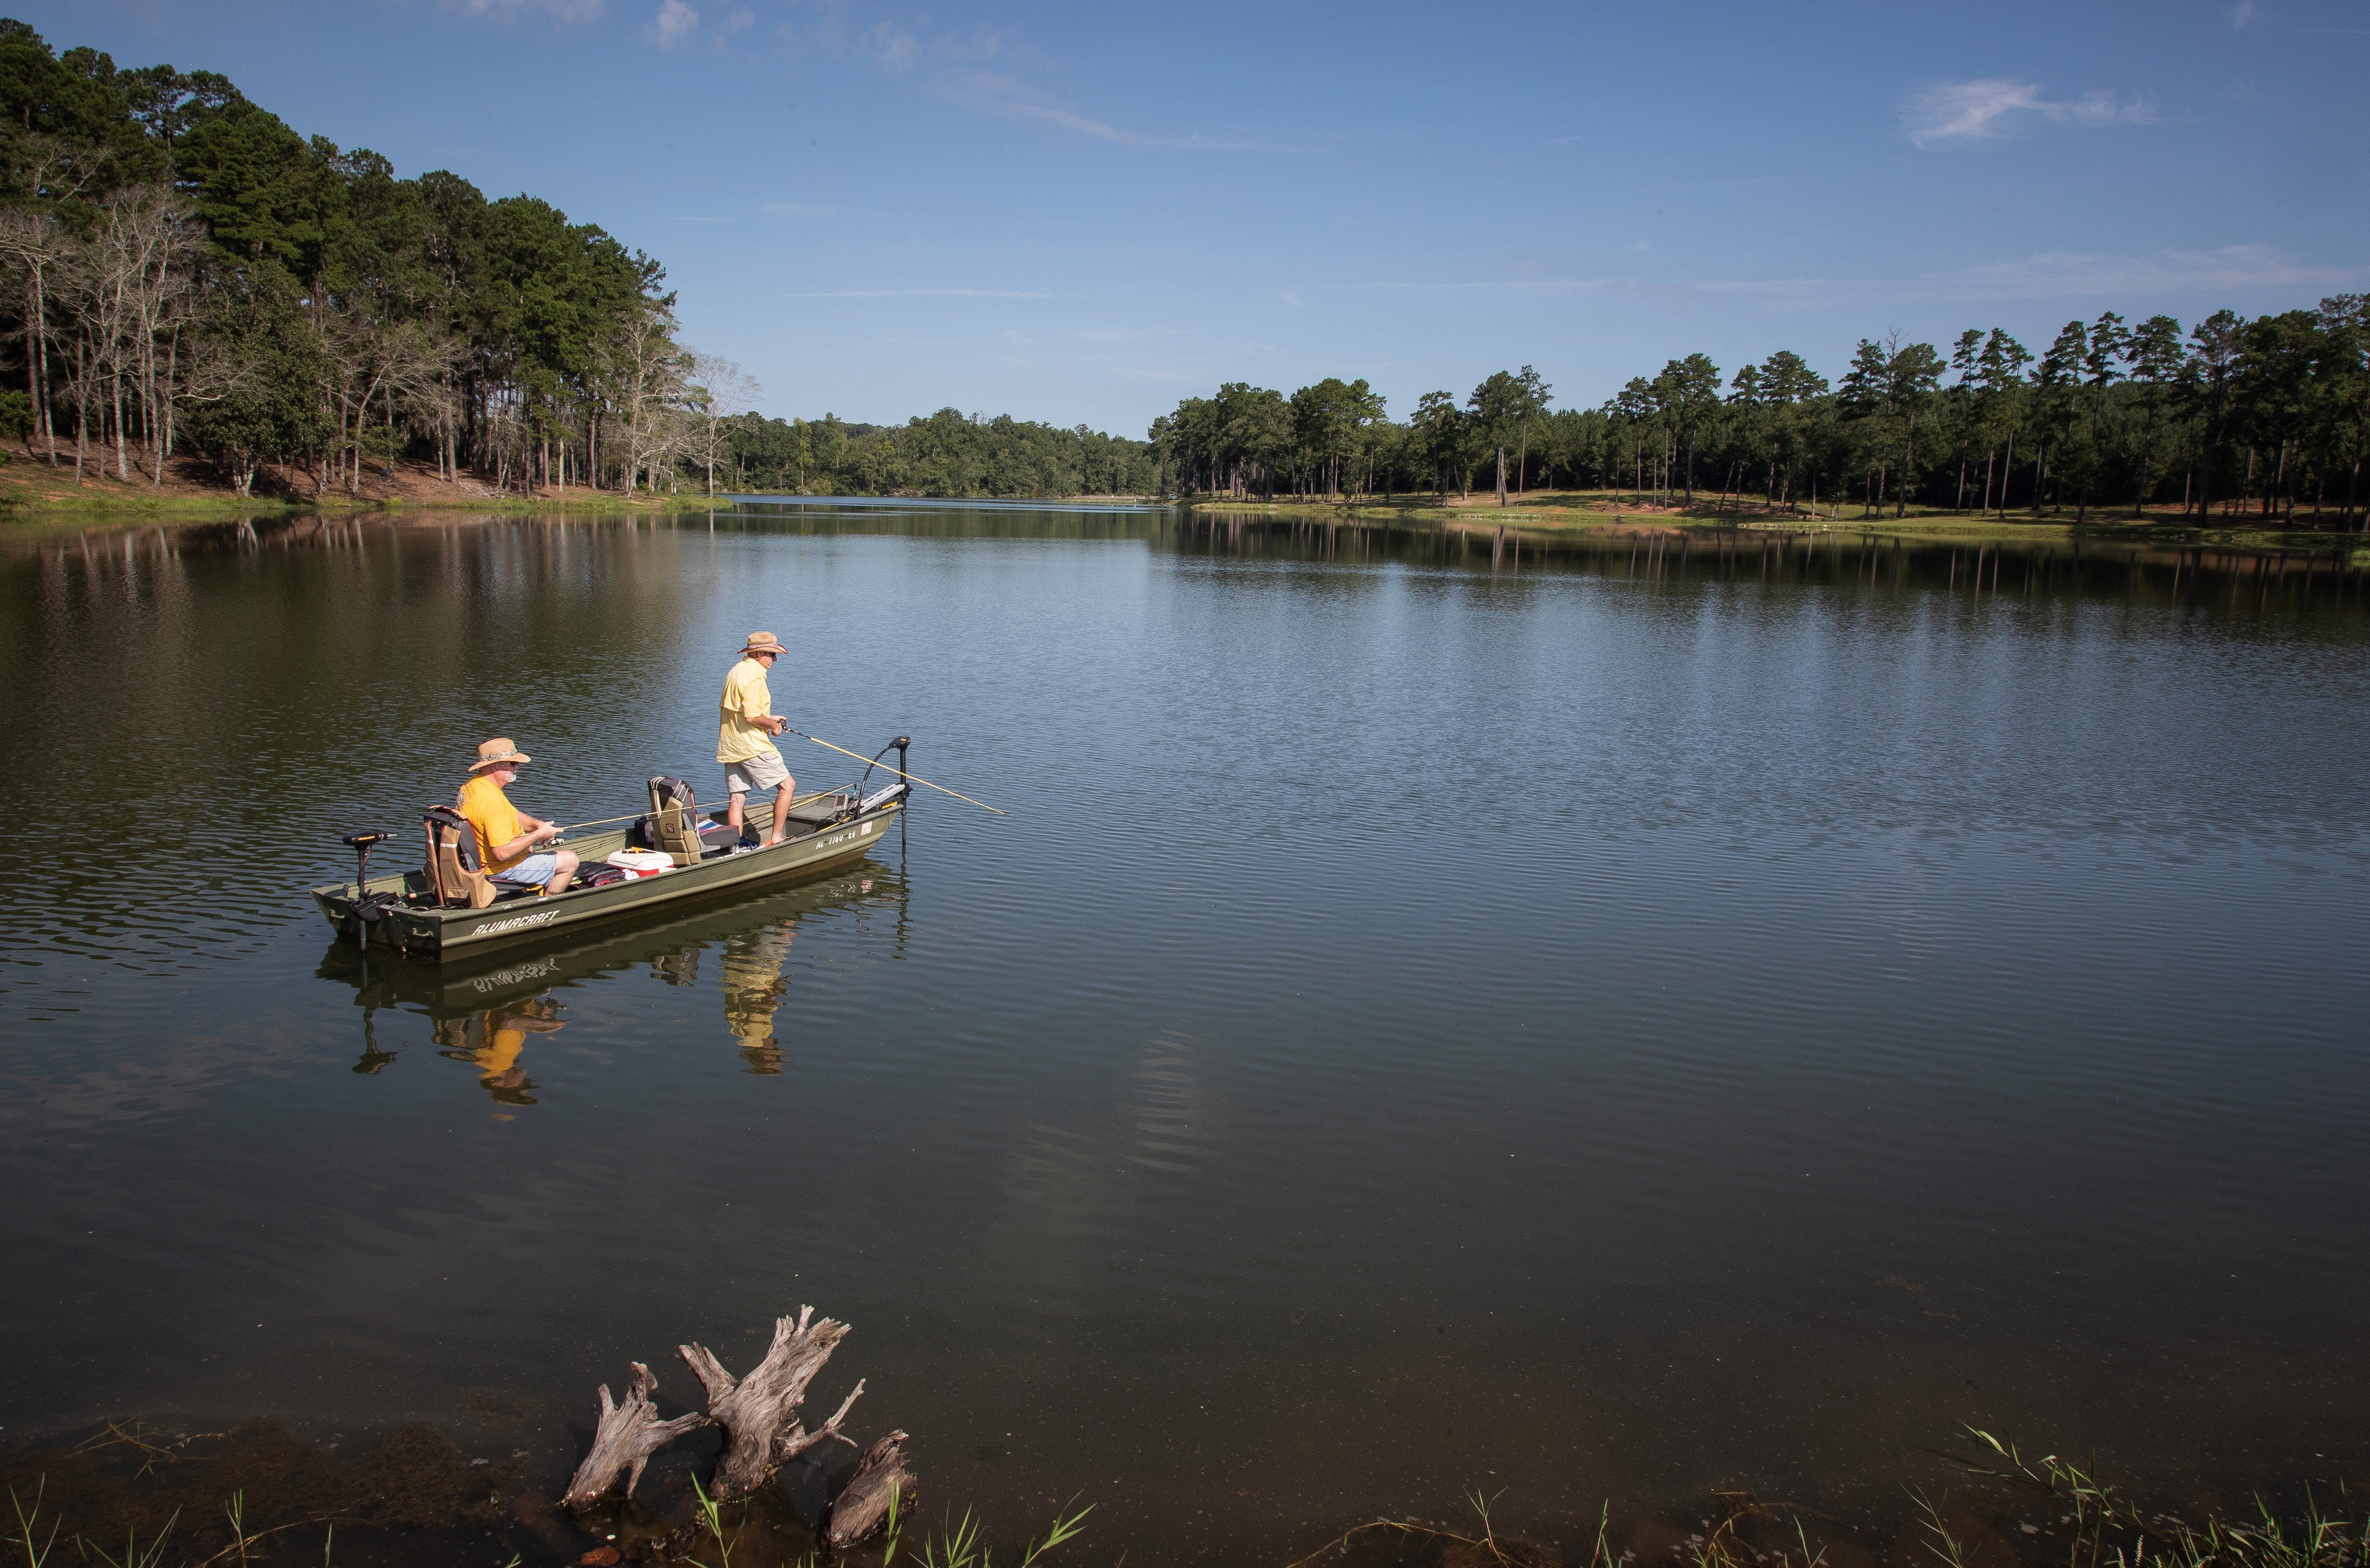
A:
[754,990]
[492,1042]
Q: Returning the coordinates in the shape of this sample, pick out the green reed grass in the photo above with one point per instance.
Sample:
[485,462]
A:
[2109,1531]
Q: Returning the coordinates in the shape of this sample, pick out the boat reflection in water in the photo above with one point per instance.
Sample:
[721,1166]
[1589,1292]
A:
[486,1016]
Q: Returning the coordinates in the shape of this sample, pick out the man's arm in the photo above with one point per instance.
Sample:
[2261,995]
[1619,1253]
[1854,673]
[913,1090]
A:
[754,712]
[527,841]
[538,829]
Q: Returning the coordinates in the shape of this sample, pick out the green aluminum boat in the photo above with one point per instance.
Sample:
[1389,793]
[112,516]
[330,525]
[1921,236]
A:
[406,913]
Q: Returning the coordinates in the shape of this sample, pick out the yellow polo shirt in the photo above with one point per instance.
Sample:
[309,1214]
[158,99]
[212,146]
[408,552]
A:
[490,813]
[746,700]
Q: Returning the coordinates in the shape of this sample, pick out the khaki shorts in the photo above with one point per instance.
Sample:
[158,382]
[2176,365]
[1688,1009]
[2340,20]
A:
[764,771]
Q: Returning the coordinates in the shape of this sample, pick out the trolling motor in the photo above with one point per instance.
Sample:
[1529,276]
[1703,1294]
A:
[863,802]
[366,904]
[360,844]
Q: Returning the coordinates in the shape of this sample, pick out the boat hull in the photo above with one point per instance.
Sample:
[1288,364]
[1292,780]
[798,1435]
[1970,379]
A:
[442,934]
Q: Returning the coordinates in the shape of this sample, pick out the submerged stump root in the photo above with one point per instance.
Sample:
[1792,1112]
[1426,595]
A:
[760,1412]
[880,1476]
[625,1439]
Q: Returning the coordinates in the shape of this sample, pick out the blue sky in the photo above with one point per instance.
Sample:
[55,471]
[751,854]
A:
[1081,214]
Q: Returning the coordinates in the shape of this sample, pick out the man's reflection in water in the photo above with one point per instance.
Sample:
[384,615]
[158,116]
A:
[491,1041]
[754,988]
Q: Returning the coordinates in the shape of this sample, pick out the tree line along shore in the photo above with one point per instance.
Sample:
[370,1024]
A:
[2236,422]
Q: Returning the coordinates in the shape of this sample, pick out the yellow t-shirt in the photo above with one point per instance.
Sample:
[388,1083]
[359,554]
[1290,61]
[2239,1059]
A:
[745,700]
[490,813]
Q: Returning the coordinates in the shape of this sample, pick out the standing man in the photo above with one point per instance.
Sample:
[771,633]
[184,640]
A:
[744,743]
[507,836]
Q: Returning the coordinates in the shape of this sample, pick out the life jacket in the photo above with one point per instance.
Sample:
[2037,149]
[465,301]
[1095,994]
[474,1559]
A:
[453,870]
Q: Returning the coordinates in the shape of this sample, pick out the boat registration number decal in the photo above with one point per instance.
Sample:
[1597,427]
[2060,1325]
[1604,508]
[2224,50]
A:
[518,924]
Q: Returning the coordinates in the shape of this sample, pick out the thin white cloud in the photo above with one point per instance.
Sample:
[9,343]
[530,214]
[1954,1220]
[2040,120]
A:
[1289,297]
[889,46]
[1006,97]
[919,293]
[685,217]
[675,21]
[565,13]
[2242,13]
[1943,112]
[796,210]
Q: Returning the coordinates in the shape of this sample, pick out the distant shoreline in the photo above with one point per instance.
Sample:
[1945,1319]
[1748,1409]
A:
[31,492]
[1570,512]
[192,492]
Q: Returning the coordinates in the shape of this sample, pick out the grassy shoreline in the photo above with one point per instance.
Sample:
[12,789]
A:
[1550,513]
[31,489]
[413,1493]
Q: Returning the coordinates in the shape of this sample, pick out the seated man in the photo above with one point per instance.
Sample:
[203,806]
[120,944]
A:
[506,836]
[744,740]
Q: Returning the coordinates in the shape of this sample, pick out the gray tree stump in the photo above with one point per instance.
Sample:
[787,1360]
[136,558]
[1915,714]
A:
[760,1412]
[863,1503]
[625,1439]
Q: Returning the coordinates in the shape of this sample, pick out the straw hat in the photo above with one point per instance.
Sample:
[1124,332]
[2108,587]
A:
[499,750]
[761,642]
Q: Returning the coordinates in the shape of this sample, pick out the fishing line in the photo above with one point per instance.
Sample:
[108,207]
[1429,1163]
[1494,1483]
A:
[861,757]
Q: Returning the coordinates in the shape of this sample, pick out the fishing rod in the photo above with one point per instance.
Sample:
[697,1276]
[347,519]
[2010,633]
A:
[638,815]
[901,772]
[569,827]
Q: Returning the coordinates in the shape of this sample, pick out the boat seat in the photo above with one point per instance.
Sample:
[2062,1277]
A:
[675,830]
[454,874]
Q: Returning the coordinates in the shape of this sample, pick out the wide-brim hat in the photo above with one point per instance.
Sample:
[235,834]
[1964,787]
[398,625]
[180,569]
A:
[499,750]
[761,642]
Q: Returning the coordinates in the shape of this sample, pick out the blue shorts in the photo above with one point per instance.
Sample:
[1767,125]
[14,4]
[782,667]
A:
[536,869]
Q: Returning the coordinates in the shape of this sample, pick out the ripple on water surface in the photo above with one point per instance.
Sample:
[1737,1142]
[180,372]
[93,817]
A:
[1657,1028]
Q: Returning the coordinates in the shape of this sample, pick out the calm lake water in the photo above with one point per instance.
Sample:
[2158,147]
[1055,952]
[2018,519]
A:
[1607,1027]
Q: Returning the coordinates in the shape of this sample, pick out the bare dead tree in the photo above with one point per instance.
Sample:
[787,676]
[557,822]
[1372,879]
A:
[31,244]
[717,389]
[644,377]
[145,245]
[373,362]
[52,170]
